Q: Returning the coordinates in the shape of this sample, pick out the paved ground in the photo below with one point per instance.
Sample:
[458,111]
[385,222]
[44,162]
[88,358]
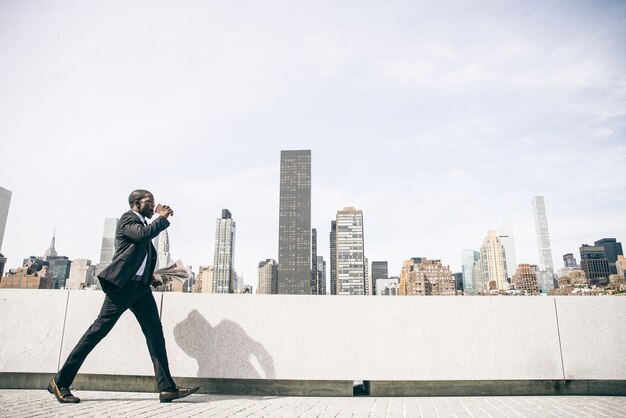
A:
[30,403]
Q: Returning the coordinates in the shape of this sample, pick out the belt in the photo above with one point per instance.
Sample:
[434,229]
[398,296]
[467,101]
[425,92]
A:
[138,278]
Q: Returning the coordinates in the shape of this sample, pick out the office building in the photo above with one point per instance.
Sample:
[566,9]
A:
[204,280]
[505,234]
[107,247]
[224,280]
[380,270]
[542,233]
[612,249]
[388,286]
[294,223]
[82,274]
[594,263]
[422,277]
[493,264]
[33,274]
[314,278]
[525,279]
[620,267]
[321,275]
[351,263]
[469,258]
[569,261]
[333,257]
[268,277]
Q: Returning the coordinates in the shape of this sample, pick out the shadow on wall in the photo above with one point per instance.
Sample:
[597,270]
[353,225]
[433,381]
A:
[224,350]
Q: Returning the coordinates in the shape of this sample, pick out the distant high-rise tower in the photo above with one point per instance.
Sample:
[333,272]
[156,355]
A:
[543,235]
[351,264]
[81,274]
[268,277]
[163,250]
[505,233]
[612,249]
[594,263]
[107,248]
[379,271]
[493,263]
[333,257]
[570,261]
[5,201]
[294,223]
[51,251]
[224,256]
[468,259]
[314,278]
[321,275]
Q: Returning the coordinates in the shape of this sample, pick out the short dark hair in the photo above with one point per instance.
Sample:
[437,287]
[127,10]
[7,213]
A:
[136,195]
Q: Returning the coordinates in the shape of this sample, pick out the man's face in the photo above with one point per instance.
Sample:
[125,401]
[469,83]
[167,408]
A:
[146,206]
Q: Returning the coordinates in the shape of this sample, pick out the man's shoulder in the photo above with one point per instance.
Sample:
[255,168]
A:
[129,216]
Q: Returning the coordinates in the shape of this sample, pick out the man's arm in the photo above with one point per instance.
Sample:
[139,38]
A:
[136,231]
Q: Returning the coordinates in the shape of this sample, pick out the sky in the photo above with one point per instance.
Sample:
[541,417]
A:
[440,120]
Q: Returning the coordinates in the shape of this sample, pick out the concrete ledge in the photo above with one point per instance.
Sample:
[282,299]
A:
[497,388]
[125,383]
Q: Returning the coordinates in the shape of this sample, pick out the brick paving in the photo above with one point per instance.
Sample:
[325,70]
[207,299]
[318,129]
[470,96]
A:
[33,403]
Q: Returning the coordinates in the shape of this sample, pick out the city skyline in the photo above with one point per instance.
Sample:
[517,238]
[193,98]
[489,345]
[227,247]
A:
[439,123]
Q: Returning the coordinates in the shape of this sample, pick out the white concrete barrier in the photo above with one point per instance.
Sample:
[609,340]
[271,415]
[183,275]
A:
[328,337]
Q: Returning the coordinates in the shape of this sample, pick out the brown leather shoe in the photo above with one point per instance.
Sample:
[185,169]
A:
[177,394]
[63,395]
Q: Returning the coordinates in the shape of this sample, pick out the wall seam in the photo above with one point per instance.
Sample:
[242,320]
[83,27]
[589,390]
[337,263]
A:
[67,302]
[558,330]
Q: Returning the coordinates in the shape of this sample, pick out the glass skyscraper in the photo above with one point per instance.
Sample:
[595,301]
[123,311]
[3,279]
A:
[294,223]
[224,256]
[543,235]
[107,249]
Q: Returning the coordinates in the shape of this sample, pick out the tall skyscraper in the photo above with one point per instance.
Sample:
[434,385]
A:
[493,263]
[5,202]
[350,252]
[543,235]
[314,278]
[612,249]
[51,251]
[333,257]
[594,263]
[468,259]
[268,277]
[294,223]
[163,250]
[107,248]
[379,271]
[224,255]
[505,234]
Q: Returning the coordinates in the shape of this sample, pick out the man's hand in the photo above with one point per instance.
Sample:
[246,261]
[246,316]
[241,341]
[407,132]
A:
[154,282]
[164,210]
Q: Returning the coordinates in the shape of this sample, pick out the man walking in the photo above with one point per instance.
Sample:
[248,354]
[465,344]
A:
[126,284]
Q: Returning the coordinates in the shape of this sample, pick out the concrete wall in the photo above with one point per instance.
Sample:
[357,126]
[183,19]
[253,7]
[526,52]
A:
[328,337]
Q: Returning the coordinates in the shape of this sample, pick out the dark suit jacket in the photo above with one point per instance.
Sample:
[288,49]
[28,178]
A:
[133,240]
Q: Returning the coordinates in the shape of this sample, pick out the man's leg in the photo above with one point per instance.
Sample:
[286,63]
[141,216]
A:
[147,315]
[109,314]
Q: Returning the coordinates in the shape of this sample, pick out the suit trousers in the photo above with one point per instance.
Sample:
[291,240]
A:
[137,297]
